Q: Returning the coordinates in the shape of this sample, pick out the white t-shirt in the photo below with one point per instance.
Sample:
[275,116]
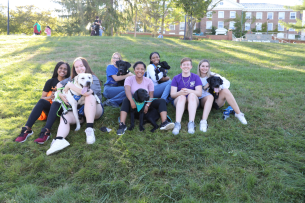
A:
[151,74]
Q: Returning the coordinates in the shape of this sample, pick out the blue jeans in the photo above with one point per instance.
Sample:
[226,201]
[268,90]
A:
[100,32]
[114,94]
[163,90]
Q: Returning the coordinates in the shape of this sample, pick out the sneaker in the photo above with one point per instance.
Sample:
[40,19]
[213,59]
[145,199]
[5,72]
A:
[203,125]
[25,133]
[167,125]
[241,118]
[191,127]
[43,137]
[176,128]
[57,145]
[90,135]
[108,103]
[121,129]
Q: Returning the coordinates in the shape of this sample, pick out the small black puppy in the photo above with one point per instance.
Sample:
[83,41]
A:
[123,70]
[214,83]
[162,67]
[141,95]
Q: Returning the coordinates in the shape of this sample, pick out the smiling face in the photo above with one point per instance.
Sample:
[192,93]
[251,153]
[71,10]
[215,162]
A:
[115,58]
[155,59]
[186,67]
[79,67]
[62,70]
[139,70]
[204,68]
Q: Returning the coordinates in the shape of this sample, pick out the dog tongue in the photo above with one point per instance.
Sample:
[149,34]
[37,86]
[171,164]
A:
[84,90]
[216,89]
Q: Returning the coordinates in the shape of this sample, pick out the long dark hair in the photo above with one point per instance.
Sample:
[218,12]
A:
[150,62]
[55,74]
[137,63]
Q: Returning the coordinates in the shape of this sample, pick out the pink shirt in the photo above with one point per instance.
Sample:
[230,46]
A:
[48,31]
[146,84]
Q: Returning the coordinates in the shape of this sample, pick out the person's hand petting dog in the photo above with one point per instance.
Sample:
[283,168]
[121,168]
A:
[63,98]
[145,109]
[133,104]
[69,85]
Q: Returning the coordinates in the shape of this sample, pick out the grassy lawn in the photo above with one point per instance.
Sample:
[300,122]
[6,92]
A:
[263,161]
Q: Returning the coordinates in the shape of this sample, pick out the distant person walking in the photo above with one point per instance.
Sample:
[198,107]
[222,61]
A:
[160,35]
[97,24]
[48,31]
[37,29]
[101,31]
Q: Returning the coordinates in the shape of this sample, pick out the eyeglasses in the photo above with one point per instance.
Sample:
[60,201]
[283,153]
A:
[115,58]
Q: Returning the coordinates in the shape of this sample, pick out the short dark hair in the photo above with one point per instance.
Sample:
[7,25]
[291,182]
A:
[185,59]
[55,74]
[96,17]
[137,63]
[151,56]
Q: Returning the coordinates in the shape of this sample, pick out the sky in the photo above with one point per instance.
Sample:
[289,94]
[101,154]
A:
[49,5]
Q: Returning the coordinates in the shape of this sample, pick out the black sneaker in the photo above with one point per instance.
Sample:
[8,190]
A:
[122,129]
[167,125]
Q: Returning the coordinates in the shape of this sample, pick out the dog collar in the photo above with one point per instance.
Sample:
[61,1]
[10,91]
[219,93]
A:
[139,105]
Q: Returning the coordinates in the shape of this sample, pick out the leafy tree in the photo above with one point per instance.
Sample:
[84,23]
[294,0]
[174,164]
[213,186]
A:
[299,25]
[195,10]
[239,24]
[213,30]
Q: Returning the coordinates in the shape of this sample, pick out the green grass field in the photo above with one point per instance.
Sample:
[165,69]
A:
[263,161]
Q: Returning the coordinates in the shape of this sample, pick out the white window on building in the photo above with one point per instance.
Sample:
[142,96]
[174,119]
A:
[194,26]
[247,26]
[292,15]
[258,26]
[209,14]
[231,26]
[171,27]
[182,24]
[291,36]
[270,26]
[232,14]
[221,14]
[280,27]
[220,24]
[270,15]
[208,25]
[259,15]
[281,15]
[221,3]
[291,29]
[248,15]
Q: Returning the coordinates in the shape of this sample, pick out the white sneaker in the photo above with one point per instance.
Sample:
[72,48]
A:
[57,145]
[241,118]
[90,135]
[203,125]
[191,127]
[176,128]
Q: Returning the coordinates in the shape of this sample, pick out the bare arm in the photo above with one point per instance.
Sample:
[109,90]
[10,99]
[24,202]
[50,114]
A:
[129,96]
[197,91]
[44,96]
[151,96]
[121,77]
[175,93]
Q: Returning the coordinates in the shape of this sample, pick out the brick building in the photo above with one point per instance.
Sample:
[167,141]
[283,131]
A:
[220,16]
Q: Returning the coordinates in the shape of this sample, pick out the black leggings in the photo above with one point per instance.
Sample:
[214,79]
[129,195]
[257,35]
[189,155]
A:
[159,104]
[44,105]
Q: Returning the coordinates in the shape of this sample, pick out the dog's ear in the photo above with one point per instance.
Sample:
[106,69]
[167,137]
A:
[135,96]
[118,63]
[127,64]
[221,81]
[76,80]
[209,80]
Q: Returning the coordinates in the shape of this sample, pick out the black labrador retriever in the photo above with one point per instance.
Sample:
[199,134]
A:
[123,67]
[162,67]
[214,83]
[141,95]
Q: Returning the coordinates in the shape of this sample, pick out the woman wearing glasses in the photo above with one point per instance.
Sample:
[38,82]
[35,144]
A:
[114,93]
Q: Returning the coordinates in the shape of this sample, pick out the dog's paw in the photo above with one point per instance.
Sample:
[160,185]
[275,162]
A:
[131,128]
[141,128]
[153,130]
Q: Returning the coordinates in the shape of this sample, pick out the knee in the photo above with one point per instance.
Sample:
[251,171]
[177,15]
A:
[210,98]
[192,97]
[225,91]
[181,99]
[89,98]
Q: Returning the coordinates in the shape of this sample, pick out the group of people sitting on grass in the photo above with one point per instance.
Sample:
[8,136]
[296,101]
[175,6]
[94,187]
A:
[185,91]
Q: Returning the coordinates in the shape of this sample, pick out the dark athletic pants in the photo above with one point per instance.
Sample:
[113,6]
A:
[159,104]
[50,110]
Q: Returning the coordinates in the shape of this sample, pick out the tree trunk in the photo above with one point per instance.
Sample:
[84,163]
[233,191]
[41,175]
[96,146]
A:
[163,17]
[135,22]
[111,26]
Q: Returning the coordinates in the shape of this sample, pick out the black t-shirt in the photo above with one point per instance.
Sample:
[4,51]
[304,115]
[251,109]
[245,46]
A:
[97,27]
[50,84]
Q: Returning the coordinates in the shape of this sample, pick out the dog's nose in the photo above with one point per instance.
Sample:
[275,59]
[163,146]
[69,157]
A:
[88,83]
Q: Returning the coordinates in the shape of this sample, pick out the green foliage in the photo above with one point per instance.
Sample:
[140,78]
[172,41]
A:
[264,27]
[239,25]
[299,25]
[260,162]
[213,30]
